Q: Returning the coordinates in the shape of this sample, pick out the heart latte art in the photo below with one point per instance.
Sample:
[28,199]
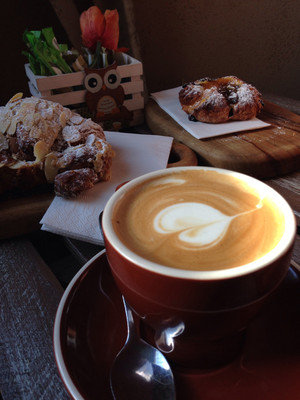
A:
[198,220]
[196,224]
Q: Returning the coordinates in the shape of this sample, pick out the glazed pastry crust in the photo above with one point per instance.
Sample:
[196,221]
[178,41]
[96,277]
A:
[40,140]
[220,100]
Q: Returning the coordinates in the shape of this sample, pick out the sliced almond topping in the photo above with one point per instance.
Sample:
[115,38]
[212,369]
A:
[76,119]
[16,97]
[51,168]
[40,150]
[12,127]
[71,134]
[63,119]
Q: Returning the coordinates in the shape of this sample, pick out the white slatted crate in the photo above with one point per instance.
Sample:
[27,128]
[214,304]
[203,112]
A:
[69,90]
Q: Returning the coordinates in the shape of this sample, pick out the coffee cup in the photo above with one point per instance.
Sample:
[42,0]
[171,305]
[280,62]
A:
[196,252]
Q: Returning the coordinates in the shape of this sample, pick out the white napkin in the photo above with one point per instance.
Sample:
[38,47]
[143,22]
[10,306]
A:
[136,154]
[169,102]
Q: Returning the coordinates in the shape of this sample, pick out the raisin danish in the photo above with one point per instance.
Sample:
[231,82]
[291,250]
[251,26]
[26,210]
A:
[44,142]
[220,100]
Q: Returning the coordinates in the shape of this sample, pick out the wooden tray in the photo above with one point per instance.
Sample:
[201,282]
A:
[264,153]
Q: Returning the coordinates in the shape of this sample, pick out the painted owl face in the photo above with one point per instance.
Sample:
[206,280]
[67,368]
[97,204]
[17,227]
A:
[95,80]
[104,94]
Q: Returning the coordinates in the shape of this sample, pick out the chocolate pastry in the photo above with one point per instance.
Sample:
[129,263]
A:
[220,100]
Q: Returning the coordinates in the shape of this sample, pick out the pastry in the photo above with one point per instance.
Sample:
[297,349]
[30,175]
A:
[40,140]
[220,100]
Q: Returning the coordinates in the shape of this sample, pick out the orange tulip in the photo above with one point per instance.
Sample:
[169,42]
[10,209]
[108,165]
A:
[96,27]
[110,37]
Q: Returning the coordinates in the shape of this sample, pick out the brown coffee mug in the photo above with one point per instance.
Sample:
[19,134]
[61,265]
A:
[196,251]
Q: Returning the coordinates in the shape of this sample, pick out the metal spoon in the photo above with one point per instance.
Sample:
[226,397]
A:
[140,371]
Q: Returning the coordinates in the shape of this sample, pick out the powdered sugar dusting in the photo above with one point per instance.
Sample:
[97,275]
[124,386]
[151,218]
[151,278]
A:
[245,95]
[213,97]
[194,90]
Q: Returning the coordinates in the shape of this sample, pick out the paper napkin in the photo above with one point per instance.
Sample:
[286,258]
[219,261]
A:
[169,102]
[136,154]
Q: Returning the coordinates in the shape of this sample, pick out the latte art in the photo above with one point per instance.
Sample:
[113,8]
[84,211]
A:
[196,224]
[198,219]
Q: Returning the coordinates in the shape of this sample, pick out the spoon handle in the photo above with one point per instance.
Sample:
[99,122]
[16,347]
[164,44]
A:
[129,317]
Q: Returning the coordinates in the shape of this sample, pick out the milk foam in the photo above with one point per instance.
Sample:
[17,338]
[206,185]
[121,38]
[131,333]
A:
[166,181]
[197,224]
[198,220]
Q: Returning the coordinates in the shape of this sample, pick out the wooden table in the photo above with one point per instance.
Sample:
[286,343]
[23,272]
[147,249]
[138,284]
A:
[34,270]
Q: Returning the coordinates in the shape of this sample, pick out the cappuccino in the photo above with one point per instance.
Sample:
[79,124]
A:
[198,219]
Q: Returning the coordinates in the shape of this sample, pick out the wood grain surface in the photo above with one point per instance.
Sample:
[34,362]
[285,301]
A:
[21,215]
[289,187]
[264,153]
[29,296]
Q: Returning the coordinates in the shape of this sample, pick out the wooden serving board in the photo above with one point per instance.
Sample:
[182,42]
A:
[264,153]
[22,215]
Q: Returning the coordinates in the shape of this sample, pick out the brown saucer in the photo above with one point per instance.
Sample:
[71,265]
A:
[90,329]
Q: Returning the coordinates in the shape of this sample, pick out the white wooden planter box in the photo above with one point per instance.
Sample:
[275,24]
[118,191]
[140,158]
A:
[69,90]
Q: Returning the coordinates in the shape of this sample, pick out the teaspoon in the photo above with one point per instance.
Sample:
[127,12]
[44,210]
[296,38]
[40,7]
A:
[140,371]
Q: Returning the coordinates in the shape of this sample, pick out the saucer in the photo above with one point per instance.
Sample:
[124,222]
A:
[90,329]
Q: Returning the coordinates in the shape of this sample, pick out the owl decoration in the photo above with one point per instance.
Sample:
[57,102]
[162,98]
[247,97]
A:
[105,96]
